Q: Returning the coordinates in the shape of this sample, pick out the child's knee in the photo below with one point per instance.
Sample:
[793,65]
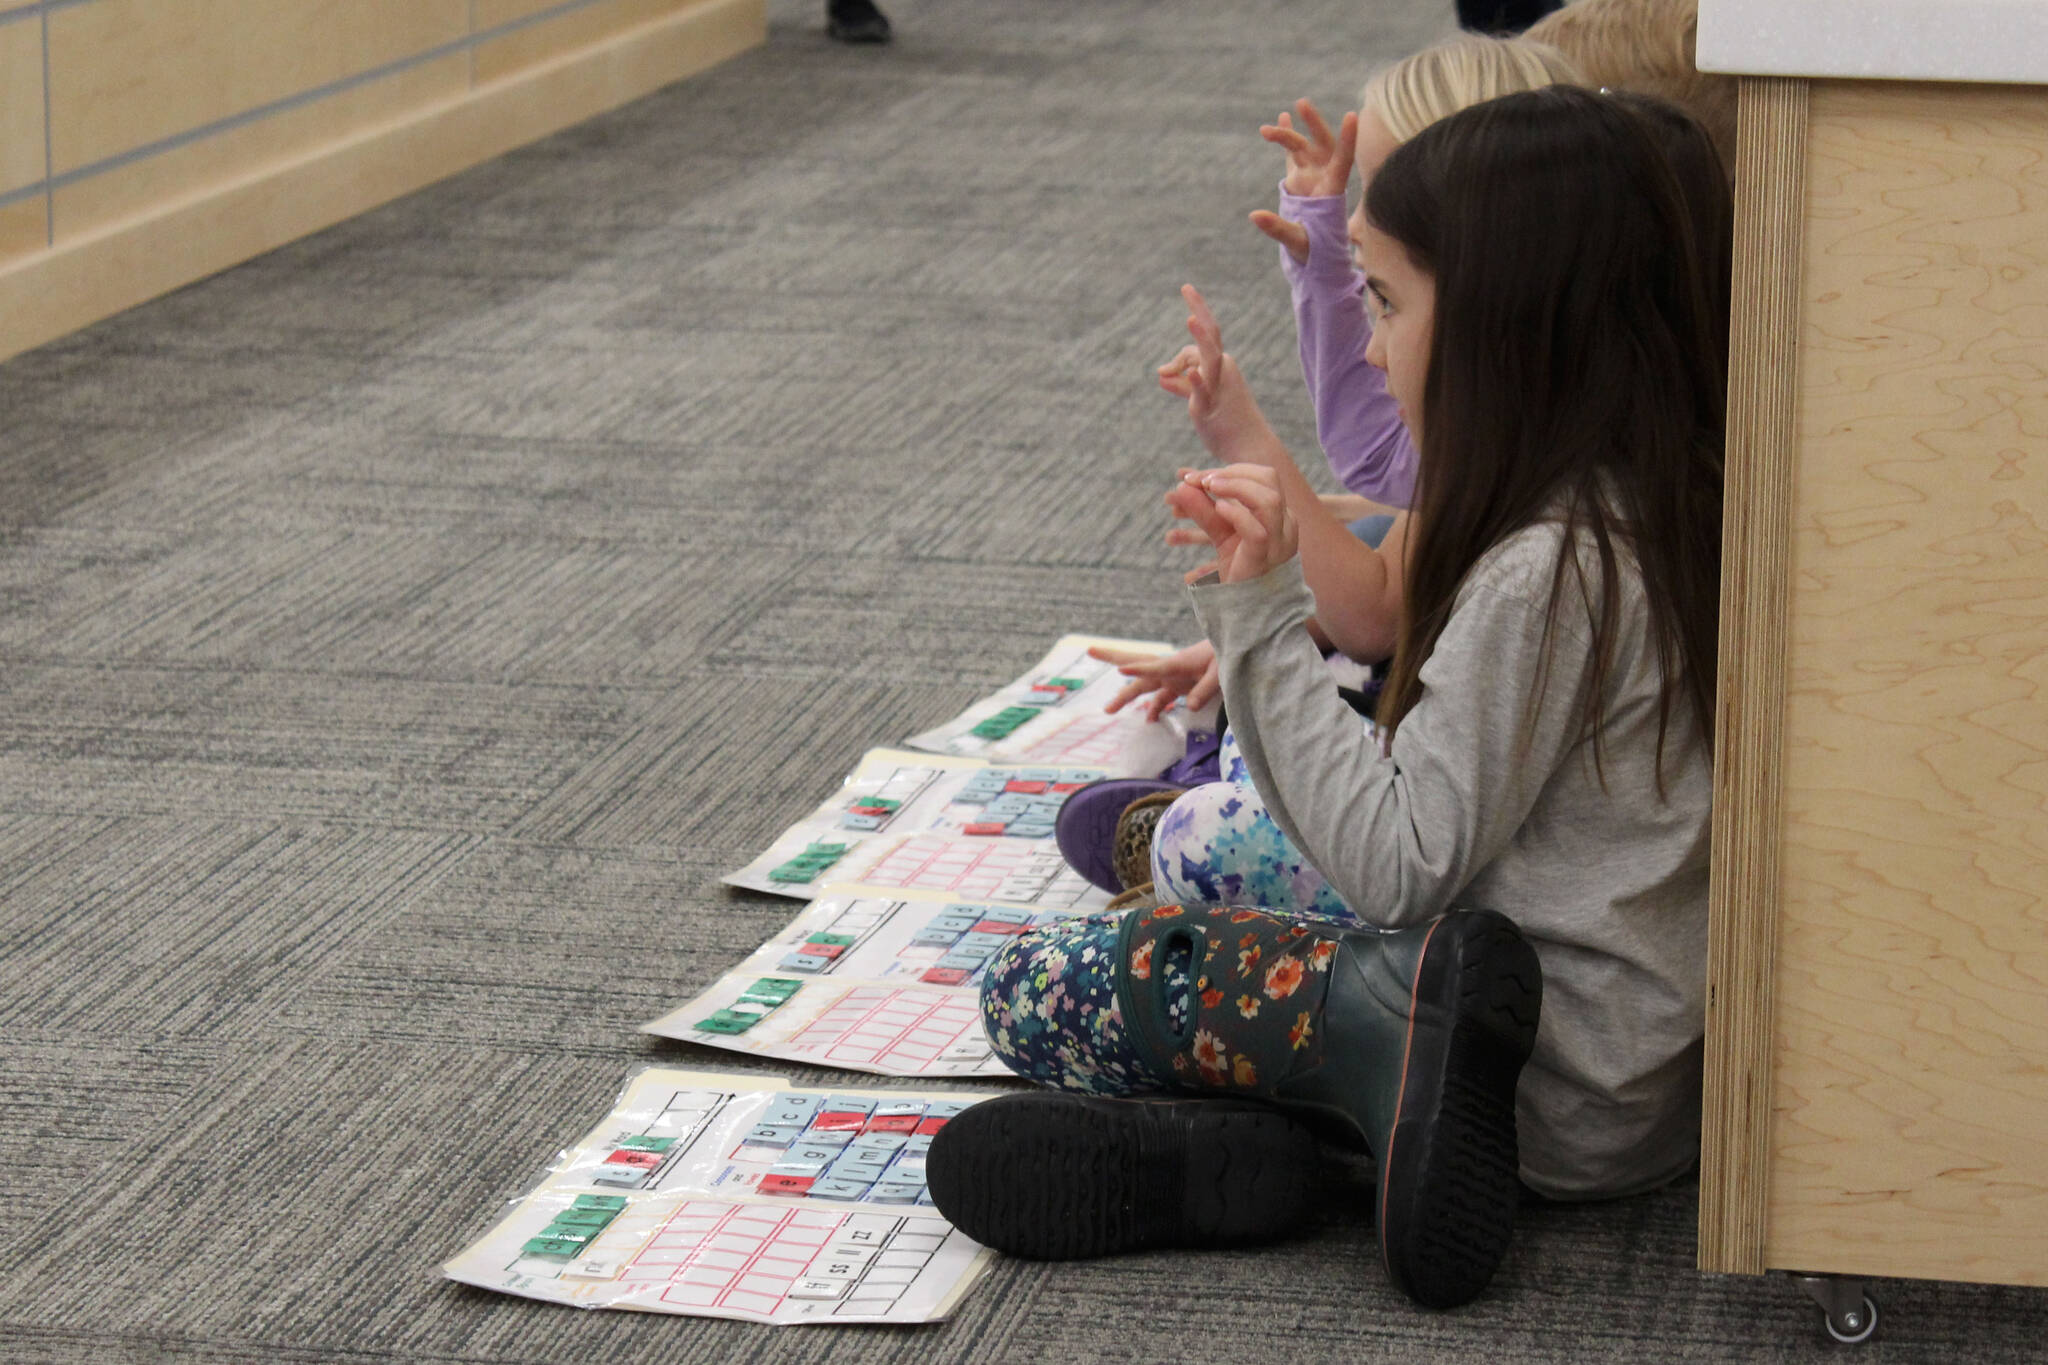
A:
[1009,972]
[1188,832]
[1011,978]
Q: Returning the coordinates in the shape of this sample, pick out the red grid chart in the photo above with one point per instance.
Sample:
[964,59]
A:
[752,1259]
[1021,871]
[886,1026]
[1092,741]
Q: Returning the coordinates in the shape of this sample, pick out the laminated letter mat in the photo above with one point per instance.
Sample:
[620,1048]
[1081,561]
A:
[1053,715]
[908,821]
[737,1196]
[887,982]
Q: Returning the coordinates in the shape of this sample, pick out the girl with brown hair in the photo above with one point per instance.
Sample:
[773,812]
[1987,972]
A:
[1527,825]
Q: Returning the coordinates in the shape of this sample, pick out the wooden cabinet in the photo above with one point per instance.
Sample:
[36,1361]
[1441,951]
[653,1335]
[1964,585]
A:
[1877,1047]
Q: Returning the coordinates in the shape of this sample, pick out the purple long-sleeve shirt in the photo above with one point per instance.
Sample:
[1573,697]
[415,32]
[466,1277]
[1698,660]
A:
[1357,420]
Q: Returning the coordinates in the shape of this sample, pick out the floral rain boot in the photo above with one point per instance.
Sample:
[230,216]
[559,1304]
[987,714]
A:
[1411,1043]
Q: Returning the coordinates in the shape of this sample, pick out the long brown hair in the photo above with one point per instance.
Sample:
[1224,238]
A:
[1577,370]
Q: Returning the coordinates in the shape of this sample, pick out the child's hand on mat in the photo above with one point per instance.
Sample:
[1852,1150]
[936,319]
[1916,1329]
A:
[1317,165]
[1242,512]
[1189,673]
[1220,403]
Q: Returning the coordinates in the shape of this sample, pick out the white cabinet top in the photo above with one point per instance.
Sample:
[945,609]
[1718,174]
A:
[1917,40]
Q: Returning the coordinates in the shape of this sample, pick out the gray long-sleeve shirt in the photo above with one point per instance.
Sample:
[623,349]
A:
[1608,883]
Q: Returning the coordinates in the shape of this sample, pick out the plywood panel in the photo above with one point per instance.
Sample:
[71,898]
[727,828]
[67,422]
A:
[125,73]
[21,104]
[1735,1129]
[550,38]
[1912,1058]
[252,149]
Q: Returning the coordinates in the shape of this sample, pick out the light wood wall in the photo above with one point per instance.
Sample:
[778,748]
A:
[146,143]
[1905,922]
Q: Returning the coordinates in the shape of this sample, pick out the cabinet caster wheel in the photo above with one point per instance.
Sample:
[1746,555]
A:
[1849,1314]
[1853,1326]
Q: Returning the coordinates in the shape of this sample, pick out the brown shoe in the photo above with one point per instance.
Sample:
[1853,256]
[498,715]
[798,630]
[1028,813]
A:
[1137,898]
[1132,859]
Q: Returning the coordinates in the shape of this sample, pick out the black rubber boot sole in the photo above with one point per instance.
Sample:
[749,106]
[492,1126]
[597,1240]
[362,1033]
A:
[1057,1177]
[1449,1179]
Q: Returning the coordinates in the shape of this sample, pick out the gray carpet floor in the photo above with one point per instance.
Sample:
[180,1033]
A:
[399,635]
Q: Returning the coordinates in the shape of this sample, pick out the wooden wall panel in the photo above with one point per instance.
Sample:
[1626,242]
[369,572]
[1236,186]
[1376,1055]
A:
[549,38]
[491,13]
[21,103]
[125,73]
[1912,1058]
[24,228]
[90,205]
[182,234]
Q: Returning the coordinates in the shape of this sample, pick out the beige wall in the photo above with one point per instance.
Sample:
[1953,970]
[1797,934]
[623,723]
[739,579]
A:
[24,206]
[179,136]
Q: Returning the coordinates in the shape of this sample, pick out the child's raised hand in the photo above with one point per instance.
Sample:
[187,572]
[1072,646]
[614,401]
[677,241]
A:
[1241,510]
[1318,165]
[1285,231]
[1190,673]
[1220,403]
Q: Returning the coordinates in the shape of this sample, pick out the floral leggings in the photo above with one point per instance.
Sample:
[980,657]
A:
[1049,1002]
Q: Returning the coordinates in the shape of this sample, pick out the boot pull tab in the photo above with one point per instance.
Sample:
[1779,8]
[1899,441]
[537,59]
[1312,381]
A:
[1144,944]
[1198,949]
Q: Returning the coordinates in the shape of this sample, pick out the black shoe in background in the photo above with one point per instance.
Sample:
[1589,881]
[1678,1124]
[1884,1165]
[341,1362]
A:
[1503,16]
[856,21]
